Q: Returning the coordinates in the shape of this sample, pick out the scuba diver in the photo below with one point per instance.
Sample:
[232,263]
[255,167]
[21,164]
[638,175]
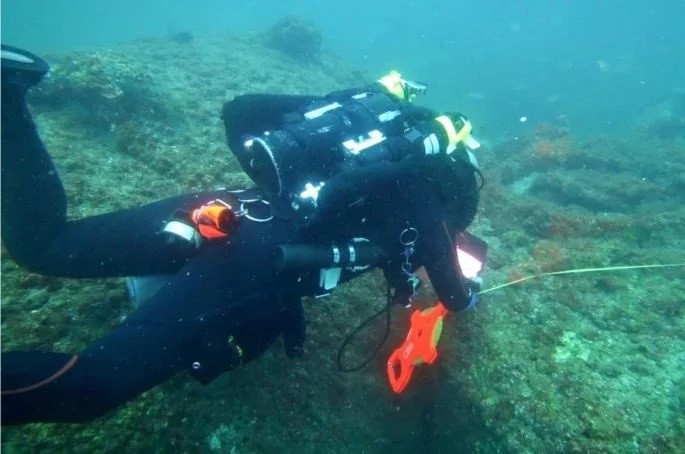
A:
[358,179]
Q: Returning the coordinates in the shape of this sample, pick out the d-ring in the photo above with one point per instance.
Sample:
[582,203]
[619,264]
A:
[246,211]
[409,236]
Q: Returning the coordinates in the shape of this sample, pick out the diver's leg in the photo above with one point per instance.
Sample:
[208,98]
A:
[34,223]
[128,242]
[188,324]
[155,342]
[54,387]
[35,229]
[33,199]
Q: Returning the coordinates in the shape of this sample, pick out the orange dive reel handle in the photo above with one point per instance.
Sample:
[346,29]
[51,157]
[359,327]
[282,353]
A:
[419,347]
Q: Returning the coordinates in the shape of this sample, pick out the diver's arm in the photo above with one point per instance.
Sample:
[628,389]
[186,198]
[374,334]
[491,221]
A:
[404,158]
[443,269]
[350,187]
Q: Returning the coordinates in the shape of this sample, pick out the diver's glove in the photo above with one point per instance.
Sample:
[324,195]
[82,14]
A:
[401,89]
[472,299]
[472,288]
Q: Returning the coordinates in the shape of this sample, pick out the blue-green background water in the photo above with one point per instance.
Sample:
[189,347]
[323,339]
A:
[599,63]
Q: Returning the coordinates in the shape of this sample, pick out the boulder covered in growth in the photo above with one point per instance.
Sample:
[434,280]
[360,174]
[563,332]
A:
[665,119]
[296,38]
[109,87]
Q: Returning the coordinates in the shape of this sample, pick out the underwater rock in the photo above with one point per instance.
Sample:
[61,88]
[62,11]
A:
[296,38]
[665,119]
[183,37]
[101,88]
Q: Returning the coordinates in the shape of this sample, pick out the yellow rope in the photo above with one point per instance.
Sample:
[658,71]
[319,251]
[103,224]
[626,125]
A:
[579,271]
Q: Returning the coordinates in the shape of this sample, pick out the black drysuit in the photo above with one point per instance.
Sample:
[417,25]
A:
[227,287]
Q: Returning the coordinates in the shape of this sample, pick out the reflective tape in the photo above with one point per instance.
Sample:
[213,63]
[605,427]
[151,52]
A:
[389,115]
[316,113]
[353,253]
[355,147]
[431,145]
[183,230]
[472,158]
[471,143]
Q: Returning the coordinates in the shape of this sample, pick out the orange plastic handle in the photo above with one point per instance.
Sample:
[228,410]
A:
[419,347]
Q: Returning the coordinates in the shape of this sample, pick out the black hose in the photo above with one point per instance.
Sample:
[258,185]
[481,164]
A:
[349,337]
